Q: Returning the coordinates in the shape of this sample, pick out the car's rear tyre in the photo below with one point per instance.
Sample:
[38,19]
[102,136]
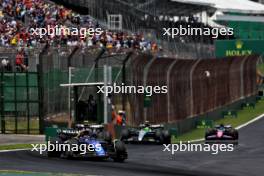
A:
[120,147]
[166,137]
[159,137]
[54,153]
[69,154]
[235,133]
[120,150]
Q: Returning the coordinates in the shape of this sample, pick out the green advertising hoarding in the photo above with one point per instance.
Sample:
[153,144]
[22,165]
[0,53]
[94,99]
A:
[225,48]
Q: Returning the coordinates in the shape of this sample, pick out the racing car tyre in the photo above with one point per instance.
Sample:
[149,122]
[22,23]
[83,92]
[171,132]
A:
[209,132]
[235,133]
[159,137]
[63,137]
[54,141]
[69,154]
[166,137]
[120,149]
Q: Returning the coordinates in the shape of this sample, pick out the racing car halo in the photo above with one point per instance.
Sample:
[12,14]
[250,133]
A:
[221,133]
[146,133]
[89,135]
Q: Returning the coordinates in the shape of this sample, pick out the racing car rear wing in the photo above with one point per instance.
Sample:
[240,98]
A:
[152,126]
[157,126]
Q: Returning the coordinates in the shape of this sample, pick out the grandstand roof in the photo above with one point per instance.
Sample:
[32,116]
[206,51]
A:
[238,6]
[181,8]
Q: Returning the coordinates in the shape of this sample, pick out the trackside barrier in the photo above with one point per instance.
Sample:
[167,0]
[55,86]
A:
[229,113]
[203,124]
[174,133]
[259,98]
[20,103]
[50,133]
[186,125]
[248,105]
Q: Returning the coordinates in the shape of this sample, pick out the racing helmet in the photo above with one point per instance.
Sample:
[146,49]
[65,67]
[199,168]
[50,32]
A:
[221,125]
[79,126]
[147,124]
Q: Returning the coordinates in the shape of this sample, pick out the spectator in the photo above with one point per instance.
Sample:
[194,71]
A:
[92,108]
[41,14]
[6,66]
[20,65]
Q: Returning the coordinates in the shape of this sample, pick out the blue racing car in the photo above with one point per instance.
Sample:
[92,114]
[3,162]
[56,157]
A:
[87,142]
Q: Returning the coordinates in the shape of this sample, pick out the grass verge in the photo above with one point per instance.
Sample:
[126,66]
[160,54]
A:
[15,146]
[244,116]
[261,68]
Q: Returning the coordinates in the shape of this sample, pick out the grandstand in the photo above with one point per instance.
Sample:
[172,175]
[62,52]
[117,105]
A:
[149,16]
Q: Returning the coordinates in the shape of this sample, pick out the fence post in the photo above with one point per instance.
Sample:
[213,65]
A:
[15,90]
[124,78]
[71,55]
[242,86]
[145,79]
[168,86]
[2,104]
[191,87]
[28,110]
[41,89]
[96,79]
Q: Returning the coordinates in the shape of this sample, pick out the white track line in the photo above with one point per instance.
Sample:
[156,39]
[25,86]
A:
[14,150]
[249,122]
[197,140]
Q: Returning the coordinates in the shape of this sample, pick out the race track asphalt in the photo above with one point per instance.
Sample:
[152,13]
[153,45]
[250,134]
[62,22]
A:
[246,160]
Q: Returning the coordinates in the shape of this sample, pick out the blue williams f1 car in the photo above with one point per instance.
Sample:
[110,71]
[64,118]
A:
[146,133]
[221,133]
[87,142]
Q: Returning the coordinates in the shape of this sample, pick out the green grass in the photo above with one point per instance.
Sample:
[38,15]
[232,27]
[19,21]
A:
[15,146]
[243,116]
[261,68]
[22,125]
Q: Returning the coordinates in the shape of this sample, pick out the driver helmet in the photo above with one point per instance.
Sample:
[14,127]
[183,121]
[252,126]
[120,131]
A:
[84,133]
[147,124]
[79,126]
[222,125]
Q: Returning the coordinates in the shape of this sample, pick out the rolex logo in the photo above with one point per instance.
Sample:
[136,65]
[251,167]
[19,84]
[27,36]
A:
[239,44]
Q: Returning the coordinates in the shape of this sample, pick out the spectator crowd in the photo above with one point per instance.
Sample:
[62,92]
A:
[17,17]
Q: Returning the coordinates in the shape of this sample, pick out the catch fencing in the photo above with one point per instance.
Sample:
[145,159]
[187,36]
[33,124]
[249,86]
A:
[86,67]
[194,86]
[19,102]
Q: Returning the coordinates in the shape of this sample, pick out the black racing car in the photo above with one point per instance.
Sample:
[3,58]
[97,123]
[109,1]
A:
[221,133]
[90,141]
[146,133]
